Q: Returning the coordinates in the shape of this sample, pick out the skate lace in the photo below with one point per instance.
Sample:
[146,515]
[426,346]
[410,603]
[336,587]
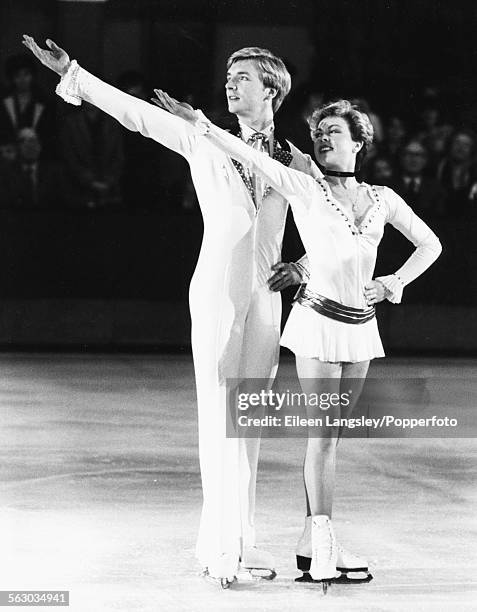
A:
[325,537]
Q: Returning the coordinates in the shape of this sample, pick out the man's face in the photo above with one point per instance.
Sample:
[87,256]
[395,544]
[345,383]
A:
[383,172]
[462,147]
[8,152]
[245,92]
[414,158]
[23,80]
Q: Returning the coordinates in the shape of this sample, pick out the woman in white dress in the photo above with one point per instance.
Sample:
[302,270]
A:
[332,327]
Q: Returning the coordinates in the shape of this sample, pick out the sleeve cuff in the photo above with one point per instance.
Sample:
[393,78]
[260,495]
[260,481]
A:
[202,124]
[67,88]
[394,287]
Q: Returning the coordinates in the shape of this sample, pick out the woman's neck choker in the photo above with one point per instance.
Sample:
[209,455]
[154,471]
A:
[338,173]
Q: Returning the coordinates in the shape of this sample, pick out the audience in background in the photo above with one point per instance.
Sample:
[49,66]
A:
[395,134]
[432,131]
[423,193]
[457,171]
[93,153]
[23,106]
[8,151]
[380,171]
[29,182]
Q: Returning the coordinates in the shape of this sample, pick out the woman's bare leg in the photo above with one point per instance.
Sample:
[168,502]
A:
[319,377]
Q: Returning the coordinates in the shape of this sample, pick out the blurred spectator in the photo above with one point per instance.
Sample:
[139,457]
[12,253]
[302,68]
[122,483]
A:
[23,106]
[144,175]
[433,132]
[424,194]
[8,151]
[380,171]
[93,152]
[395,136]
[30,182]
[457,171]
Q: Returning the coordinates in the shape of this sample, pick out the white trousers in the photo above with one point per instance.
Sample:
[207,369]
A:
[229,340]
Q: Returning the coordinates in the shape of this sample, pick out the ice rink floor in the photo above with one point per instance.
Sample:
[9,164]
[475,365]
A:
[100,495]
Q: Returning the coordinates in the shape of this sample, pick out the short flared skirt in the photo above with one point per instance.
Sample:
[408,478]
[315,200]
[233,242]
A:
[308,333]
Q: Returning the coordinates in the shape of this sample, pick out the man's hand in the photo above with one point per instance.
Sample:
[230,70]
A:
[55,58]
[285,275]
[173,106]
[374,292]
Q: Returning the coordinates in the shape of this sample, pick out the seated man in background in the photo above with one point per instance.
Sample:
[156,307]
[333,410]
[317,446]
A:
[423,193]
[30,182]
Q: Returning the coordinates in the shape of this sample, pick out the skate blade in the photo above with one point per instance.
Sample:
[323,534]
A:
[257,573]
[349,577]
[225,583]
[306,578]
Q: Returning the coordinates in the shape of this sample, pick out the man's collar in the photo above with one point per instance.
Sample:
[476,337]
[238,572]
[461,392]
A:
[247,132]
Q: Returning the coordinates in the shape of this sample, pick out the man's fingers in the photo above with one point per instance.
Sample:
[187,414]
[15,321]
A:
[34,48]
[277,276]
[275,286]
[52,45]
[278,266]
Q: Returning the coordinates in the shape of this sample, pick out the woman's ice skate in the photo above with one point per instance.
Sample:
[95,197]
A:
[223,570]
[322,566]
[258,564]
[352,568]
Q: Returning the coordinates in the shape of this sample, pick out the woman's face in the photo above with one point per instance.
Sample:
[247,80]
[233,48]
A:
[334,147]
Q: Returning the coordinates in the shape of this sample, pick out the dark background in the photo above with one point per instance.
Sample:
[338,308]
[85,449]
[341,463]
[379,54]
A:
[119,277]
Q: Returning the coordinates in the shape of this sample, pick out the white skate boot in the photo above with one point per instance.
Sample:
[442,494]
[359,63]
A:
[259,564]
[323,553]
[353,569]
[222,570]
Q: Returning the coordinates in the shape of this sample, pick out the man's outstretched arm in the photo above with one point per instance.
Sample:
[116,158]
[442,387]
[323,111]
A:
[134,114]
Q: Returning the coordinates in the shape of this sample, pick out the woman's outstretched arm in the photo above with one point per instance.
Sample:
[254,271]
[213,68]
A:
[297,187]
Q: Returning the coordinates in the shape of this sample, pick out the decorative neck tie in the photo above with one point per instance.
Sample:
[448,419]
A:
[258,141]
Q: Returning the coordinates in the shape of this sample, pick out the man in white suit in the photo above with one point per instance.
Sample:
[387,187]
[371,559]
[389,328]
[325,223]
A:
[235,315]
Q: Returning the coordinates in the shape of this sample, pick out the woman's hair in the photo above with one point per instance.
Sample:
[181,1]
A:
[271,69]
[358,123]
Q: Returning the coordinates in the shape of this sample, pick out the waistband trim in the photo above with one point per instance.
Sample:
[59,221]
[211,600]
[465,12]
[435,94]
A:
[333,310]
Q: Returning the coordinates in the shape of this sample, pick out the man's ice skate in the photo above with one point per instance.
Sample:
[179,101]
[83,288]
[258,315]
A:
[223,571]
[352,568]
[324,553]
[257,564]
